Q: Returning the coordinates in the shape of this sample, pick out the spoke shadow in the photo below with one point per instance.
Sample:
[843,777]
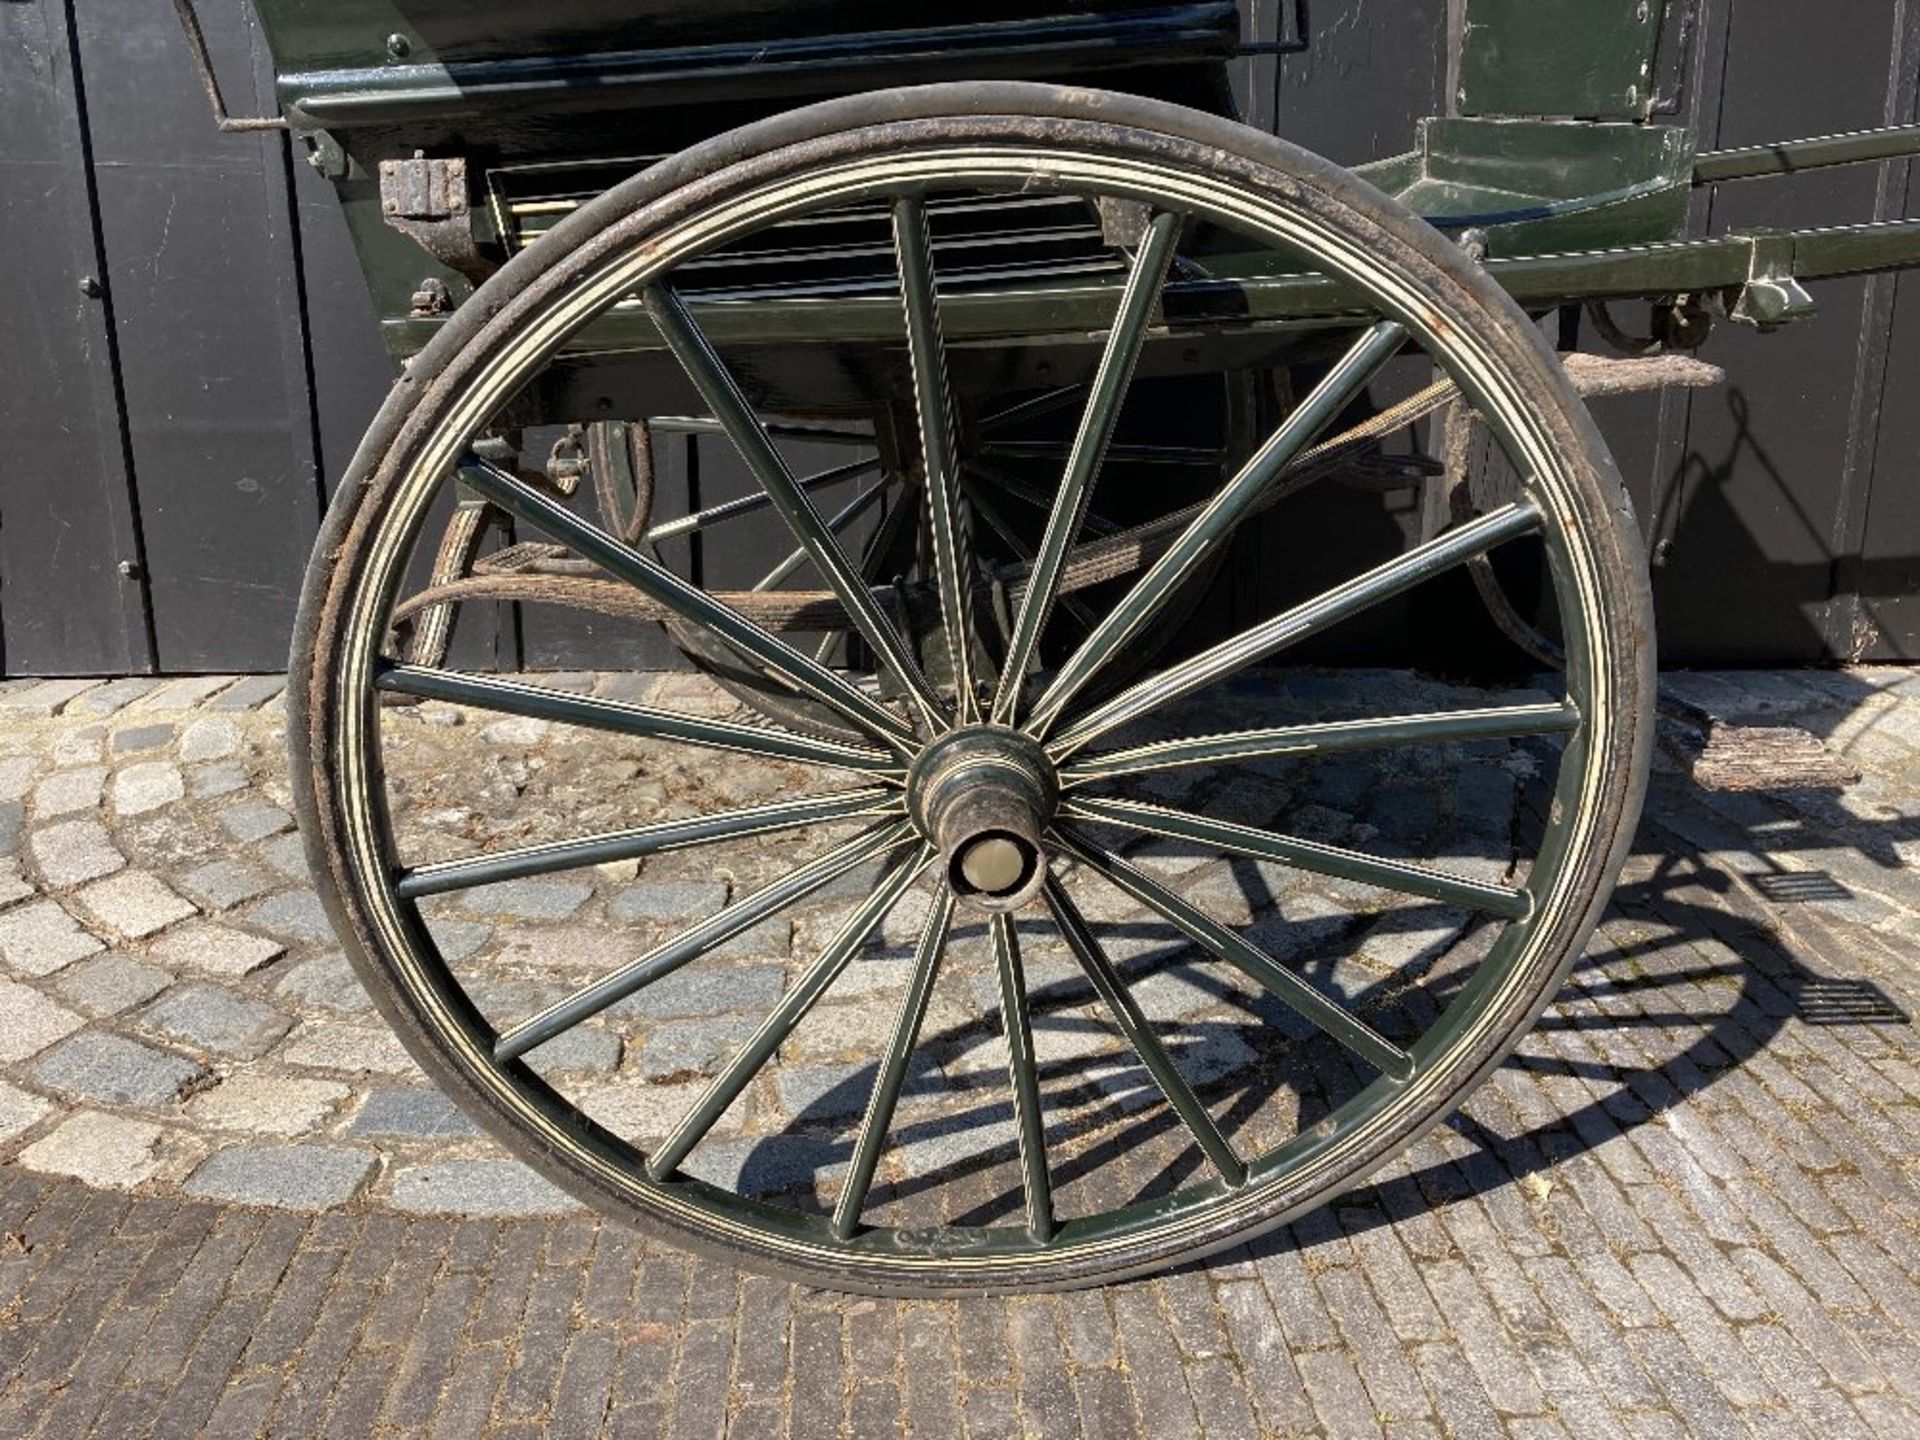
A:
[1707,939]
[1650,992]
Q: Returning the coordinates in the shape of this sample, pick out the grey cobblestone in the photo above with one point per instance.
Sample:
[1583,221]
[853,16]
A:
[29,1021]
[215,1021]
[133,903]
[222,884]
[145,787]
[475,1187]
[216,950]
[305,1177]
[249,693]
[110,1069]
[74,851]
[40,938]
[136,739]
[109,984]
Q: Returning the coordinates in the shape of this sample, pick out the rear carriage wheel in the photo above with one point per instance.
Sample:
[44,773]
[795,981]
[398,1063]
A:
[1015,832]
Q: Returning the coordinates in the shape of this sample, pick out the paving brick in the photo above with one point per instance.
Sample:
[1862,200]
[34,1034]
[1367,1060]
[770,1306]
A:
[1396,1392]
[217,950]
[690,1047]
[1498,1362]
[293,915]
[109,984]
[185,693]
[475,1187]
[102,1150]
[325,982]
[49,697]
[254,819]
[1160,1392]
[222,884]
[19,1111]
[414,1113]
[1339,1398]
[145,787]
[113,1070]
[223,777]
[40,938]
[30,1022]
[69,792]
[79,745]
[211,737]
[74,852]
[17,774]
[343,1046]
[136,739]
[115,695]
[133,903]
[267,1103]
[681,900]
[248,694]
[215,1021]
[301,1177]
[527,899]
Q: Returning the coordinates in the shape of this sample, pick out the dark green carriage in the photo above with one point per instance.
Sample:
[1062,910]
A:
[1043,330]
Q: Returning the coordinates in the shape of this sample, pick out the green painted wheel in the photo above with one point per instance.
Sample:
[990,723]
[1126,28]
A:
[1086,977]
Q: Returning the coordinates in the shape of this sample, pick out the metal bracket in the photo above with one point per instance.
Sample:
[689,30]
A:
[426,200]
[1772,296]
[209,82]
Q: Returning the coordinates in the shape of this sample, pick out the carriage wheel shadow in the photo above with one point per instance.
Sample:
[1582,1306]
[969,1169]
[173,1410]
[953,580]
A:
[1687,899]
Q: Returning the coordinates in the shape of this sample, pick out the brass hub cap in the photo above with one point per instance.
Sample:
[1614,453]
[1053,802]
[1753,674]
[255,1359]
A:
[984,796]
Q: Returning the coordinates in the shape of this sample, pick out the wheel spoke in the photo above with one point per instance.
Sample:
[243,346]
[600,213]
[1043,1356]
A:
[805,994]
[707,425]
[514,697]
[687,600]
[1227,945]
[1216,521]
[953,565]
[730,407]
[892,1076]
[1139,1032]
[1185,455]
[748,504]
[715,930]
[445,875]
[1311,855]
[1326,739]
[836,522]
[1034,495]
[1033,408]
[1090,445]
[1020,550]
[1024,1074]
[1258,642]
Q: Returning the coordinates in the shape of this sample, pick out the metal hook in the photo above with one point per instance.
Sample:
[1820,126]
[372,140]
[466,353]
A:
[197,47]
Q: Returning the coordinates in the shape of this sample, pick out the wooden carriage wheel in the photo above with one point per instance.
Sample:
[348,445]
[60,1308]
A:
[1002,784]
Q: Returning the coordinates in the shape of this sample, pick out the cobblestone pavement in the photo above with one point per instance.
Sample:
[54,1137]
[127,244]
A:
[230,1205]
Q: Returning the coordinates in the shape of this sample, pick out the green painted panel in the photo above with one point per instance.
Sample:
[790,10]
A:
[1587,58]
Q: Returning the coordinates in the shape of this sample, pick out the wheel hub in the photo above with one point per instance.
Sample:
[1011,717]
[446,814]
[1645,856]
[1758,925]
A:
[984,796]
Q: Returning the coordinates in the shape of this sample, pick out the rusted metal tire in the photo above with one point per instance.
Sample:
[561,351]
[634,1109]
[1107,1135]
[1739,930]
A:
[1392,1074]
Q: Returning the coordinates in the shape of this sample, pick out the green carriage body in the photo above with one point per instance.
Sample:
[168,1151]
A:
[490,124]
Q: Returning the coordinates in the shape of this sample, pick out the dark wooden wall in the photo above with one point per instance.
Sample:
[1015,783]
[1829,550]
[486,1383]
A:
[189,353]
